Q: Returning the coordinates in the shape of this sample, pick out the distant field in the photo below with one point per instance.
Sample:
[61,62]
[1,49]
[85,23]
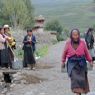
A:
[74,13]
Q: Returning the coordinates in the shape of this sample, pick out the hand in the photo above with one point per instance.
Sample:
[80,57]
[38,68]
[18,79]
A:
[29,42]
[91,64]
[7,38]
[63,66]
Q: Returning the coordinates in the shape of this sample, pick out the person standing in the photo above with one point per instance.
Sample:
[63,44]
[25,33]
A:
[29,59]
[89,38]
[4,54]
[7,32]
[76,53]
[11,44]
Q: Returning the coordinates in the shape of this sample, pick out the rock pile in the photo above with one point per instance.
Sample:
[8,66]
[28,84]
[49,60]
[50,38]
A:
[24,78]
[16,79]
[4,87]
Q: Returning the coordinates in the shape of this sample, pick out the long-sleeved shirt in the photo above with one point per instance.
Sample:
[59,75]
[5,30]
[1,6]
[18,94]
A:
[2,41]
[69,51]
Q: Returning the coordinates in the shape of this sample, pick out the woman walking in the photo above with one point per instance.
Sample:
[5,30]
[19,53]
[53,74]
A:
[29,59]
[89,38]
[76,53]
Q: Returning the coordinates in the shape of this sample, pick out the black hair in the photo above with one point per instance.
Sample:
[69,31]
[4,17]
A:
[29,30]
[89,30]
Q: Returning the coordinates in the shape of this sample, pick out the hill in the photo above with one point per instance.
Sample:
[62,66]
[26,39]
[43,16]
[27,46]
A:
[71,13]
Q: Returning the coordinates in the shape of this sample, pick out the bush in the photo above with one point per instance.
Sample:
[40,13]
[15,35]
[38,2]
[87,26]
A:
[17,12]
[54,25]
[43,51]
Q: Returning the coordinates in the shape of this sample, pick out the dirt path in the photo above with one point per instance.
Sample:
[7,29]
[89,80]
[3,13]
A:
[56,83]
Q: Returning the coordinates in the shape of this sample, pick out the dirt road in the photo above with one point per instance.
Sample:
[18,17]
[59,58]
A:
[56,83]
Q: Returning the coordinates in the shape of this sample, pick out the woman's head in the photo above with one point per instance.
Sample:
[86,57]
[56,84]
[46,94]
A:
[90,31]
[6,28]
[75,35]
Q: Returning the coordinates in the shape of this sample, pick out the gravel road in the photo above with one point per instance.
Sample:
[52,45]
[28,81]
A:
[56,83]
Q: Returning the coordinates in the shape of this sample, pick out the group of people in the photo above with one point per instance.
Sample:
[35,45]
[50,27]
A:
[8,44]
[76,54]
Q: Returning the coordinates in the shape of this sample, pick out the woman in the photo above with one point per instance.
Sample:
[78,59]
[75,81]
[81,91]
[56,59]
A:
[89,38]
[77,53]
[11,44]
[1,43]
[8,32]
[29,59]
[4,54]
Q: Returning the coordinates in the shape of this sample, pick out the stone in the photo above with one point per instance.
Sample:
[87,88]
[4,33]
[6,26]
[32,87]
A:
[12,85]
[24,82]
[4,90]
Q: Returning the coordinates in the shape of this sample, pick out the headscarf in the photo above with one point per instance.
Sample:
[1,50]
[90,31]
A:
[89,30]
[89,38]
[75,30]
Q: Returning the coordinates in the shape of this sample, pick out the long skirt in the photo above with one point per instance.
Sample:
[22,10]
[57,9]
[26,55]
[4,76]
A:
[5,59]
[79,80]
[28,56]
[11,56]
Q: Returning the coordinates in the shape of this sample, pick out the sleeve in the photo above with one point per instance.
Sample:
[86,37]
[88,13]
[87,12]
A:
[87,54]
[34,40]
[64,53]
[25,40]
[2,39]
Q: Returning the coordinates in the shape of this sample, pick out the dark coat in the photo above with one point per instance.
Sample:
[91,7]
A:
[33,40]
[28,51]
[89,41]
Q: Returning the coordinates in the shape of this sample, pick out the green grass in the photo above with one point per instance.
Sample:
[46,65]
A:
[43,51]
[19,53]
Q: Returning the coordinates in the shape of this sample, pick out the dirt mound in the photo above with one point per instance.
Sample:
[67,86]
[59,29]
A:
[43,66]
[31,79]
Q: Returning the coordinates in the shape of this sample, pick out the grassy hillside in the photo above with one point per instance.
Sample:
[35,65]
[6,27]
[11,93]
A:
[71,13]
